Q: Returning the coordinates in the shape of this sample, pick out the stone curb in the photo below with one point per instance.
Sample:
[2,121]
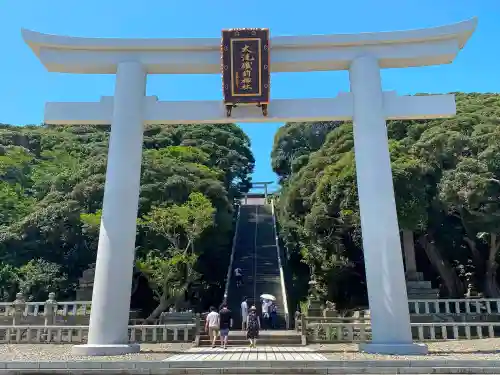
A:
[259,371]
[255,367]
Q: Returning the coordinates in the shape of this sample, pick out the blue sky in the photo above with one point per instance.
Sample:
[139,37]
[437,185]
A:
[25,85]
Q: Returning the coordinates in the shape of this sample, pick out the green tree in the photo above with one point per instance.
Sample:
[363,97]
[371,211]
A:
[38,278]
[172,270]
[445,176]
[52,184]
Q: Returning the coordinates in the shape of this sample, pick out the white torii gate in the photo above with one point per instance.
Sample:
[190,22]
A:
[363,55]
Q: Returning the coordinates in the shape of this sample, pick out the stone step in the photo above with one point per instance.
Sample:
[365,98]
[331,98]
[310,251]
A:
[422,291]
[255,367]
[243,343]
[429,295]
[264,335]
[422,296]
[428,292]
[418,288]
[419,284]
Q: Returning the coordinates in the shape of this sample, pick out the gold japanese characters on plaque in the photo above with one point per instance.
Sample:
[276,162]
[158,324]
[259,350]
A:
[245,68]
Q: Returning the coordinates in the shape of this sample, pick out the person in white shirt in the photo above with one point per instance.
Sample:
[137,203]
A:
[238,276]
[212,325]
[244,314]
[265,313]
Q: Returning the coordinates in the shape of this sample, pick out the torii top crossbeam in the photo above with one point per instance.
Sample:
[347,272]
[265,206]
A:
[261,184]
[397,49]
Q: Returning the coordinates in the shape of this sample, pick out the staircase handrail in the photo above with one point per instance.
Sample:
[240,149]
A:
[233,248]
[280,266]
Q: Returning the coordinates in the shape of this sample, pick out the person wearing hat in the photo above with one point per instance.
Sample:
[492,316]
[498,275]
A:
[253,326]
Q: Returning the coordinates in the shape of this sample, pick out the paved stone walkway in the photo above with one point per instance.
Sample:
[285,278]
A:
[265,353]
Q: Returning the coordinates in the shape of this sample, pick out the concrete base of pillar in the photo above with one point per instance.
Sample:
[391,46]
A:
[105,350]
[394,349]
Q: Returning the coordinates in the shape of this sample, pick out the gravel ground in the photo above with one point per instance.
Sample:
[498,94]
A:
[484,349]
[488,349]
[54,352]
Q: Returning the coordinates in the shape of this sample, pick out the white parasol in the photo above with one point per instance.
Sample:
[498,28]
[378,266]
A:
[269,297]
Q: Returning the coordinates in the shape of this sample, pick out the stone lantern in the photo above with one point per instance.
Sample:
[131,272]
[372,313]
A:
[315,308]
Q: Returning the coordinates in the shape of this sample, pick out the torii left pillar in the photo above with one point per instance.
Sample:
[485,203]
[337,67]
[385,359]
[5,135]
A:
[108,331]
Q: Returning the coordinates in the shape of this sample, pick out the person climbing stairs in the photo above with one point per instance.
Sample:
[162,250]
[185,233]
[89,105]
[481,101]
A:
[257,257]
[267,267]
[244,260]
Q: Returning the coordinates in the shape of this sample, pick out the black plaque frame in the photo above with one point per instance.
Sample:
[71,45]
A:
[245,68]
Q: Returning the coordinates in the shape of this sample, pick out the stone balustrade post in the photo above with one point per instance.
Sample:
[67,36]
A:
[197,329]
[303,328]
[197,321]
[18,307]
[297,319]
[50,310]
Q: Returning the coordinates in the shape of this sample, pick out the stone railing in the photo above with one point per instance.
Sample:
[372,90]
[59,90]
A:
[231,258]
[280,266]
[442,310]
[78,334]
[334,330]
[50,312]
[37,308]
[455,306]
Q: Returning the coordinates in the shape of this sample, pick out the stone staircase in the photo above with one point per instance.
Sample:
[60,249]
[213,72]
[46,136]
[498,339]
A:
[267,272]
[256,255]
[244,259]
[237,338]
[418,288]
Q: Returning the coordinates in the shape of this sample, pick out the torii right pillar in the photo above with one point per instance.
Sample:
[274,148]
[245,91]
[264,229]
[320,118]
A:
[390,318]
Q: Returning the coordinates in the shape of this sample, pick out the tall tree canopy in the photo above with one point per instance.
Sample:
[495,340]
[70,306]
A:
[51,190]
[447,182]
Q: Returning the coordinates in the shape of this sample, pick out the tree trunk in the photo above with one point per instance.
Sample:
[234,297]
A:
[477,259]
[165,302]
[162,306]
[491,288]
[409,255]
[450,279]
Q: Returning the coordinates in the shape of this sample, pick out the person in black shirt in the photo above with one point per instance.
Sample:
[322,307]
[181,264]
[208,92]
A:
[225,323]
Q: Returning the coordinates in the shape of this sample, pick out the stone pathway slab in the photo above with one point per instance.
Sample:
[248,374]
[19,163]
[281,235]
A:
[264,353]
[250,367]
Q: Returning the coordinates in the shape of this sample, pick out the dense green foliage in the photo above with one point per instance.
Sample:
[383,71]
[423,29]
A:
[447,182]
[51,189]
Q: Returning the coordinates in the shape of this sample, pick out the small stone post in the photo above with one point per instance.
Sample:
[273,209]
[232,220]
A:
[50,310]
[19,306]
[303,328]
[297,319]
[197,329]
